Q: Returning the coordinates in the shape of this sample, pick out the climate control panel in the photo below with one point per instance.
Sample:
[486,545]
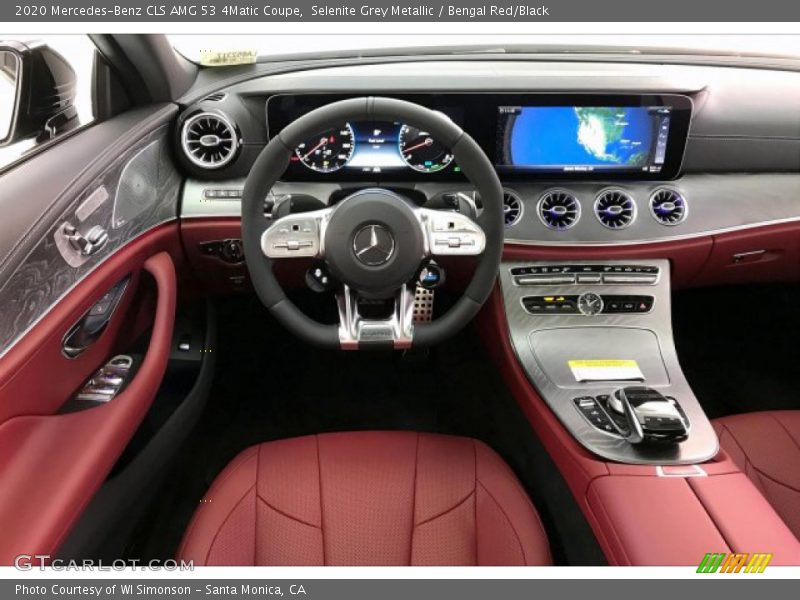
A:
[588,303]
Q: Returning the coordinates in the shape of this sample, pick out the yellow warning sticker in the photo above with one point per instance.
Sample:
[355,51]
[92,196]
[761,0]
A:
[227,58]
[605,370]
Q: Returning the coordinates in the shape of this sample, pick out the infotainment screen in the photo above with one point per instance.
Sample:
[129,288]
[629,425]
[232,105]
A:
[583,139]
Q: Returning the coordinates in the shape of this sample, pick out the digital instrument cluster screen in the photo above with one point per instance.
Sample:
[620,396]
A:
[373,148]
[583,139]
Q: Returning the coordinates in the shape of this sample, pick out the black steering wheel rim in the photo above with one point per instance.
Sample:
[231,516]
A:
[273,161]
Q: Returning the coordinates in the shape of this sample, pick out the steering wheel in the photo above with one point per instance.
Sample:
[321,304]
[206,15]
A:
[374,241]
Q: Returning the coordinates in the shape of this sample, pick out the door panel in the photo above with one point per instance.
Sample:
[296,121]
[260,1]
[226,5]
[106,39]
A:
[51,464]
[117,175]
[36,378]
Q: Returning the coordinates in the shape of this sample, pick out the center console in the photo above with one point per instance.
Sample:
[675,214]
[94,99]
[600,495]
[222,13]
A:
[595,339]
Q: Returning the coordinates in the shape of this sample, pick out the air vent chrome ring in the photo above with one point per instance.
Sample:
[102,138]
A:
[615,209]
[668,206]
[558,209]
[513,207]
[209,140]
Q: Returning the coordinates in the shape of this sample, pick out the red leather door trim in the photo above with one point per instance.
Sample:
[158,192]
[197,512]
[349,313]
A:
[50,465]
[35,377]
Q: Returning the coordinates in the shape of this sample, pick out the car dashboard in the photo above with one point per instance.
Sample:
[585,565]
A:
[589,153]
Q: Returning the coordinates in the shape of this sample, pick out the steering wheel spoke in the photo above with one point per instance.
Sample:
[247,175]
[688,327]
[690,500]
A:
[299,235]
[450,233]
[396,331]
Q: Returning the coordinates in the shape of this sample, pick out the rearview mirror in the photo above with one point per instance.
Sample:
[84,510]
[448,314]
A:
[37,93]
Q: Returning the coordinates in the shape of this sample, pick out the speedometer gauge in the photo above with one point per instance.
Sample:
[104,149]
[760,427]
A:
[328,151]
[421,152]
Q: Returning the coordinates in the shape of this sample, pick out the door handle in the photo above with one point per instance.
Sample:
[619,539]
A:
[93,323]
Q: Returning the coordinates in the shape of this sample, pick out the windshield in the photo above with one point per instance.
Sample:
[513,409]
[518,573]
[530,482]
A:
[277,46]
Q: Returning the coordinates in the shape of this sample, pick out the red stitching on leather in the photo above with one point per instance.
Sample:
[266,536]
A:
[230,470]
[620,547]
[321,504]
[475,493]
[225,520]
[510,524]
[287,515]
[446,511]
[782,426]
[255,516]
[414,503]
[775,481]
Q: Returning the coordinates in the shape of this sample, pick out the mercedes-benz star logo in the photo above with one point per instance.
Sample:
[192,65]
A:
[373,245]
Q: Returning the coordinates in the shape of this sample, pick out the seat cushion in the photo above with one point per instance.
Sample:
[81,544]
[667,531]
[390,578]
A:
[367,498]
[766,446]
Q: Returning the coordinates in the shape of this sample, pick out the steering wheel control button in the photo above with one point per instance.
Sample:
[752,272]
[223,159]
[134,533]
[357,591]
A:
[319,280]
[294,236]
[430,276]
[373,245]
[453,234]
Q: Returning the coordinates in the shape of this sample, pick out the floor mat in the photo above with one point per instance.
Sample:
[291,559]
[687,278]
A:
[270,386]
[738,346]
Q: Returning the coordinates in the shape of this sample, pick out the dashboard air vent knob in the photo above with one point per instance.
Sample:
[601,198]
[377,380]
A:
[615,209]
[558,209]
[512,208]
[668,207]
[209,140]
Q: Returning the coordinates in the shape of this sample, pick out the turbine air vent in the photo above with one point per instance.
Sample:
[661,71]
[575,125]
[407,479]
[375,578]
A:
[558,209]
[615,209]
[209,140]
[668,207]
[512,208]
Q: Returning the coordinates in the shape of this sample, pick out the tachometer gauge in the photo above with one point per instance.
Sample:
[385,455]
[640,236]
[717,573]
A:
[329,151]
[421,152]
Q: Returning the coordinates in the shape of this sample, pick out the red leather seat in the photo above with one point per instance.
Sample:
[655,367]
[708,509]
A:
[369,498]
[766,446]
